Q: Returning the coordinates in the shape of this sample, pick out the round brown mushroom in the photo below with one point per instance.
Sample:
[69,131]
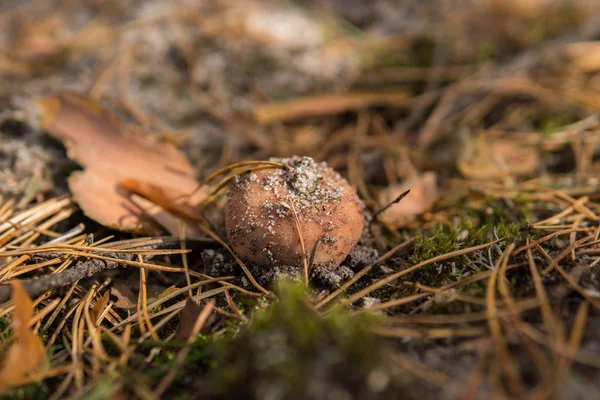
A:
[260,222]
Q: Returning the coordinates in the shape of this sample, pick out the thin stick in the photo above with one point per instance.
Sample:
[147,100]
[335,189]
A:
[313,252]
[231,167]
[184,259]
[233,307]
[396,201]
[507,362]
[217,239]
[397,275]
[225,182]
[143,298]
[463,282]
[563,254]
[538,357]
[363,272]
[34,287]
[302,246]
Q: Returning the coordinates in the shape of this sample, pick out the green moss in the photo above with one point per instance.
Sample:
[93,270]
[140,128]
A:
[104,390]
[290,352]
[476,289]
[4,327]
[547,124]
[487,49]
[564,17]
[199,357]
[442,240]
[422,52]
[158,308]
[38,390]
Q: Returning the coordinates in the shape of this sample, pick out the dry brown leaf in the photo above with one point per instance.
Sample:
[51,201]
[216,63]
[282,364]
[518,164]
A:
[585,55]
[187,319]
[125,296]
[498,158]
[111,154]
[162,197]
[167,220]
[99,307]
[423,195]
[28,354]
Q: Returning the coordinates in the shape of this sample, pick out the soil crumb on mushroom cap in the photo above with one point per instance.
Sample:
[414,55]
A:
[259,217]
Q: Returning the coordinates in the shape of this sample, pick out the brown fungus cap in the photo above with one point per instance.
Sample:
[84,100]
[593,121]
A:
[260,220]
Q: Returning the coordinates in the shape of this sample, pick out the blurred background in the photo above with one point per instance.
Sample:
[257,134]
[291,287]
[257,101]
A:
[394,87]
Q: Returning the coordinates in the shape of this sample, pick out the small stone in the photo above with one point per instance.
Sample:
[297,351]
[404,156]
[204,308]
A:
[369,302]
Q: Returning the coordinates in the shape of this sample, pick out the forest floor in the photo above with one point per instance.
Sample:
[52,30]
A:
[482,282]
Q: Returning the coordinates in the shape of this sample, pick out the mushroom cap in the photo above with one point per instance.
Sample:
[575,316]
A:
[260,222]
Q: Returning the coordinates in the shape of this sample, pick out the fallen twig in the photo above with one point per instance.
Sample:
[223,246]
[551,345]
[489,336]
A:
[84,269]
[319,105]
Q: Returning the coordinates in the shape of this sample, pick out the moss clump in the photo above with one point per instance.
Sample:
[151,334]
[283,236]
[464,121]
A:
[443,240]
[289,352]
[487,49]
[548,123]
[4,327]
[37,390]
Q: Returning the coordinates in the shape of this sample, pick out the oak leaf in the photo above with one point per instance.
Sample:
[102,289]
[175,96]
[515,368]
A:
[28,354]
[112,154]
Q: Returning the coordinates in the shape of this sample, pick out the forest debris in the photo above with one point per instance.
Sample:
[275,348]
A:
[100,305]
[35,49]
[163,198]
[167,292]
[497,158]
[125,296]
[279,25]
[325,104]
[93,263]
[187,318]
[530,8]
[199,322]
[164,218]
[110,153]
[84,269]
[33,46]
[585,55]
[28,354]
[423,195]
